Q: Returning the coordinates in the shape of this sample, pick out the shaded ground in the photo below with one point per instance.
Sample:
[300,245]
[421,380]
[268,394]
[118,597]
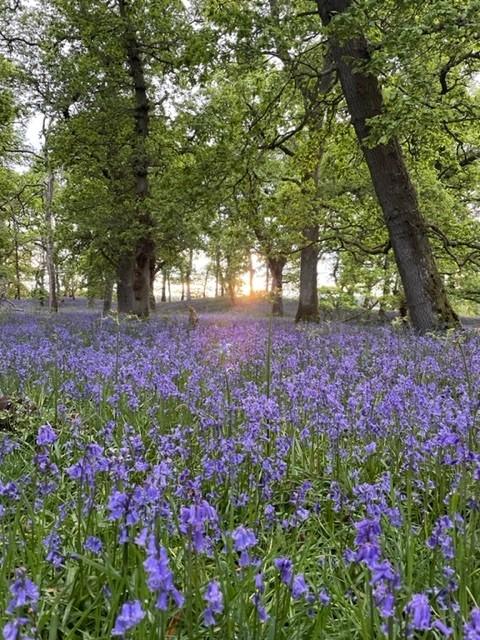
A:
[256,307]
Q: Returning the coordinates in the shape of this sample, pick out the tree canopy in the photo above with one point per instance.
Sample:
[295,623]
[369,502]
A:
[171,128]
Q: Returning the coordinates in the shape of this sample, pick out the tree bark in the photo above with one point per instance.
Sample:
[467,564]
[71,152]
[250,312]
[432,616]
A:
[427,301]
[276,266]
[18,287]
[307,310]
[164,285]
[205,282]
[251,274]
[107,296]
[188,275]
[217,272]
[49,244]
[125,296]
[267,277]
[230,277]
[140,277]
[153,273]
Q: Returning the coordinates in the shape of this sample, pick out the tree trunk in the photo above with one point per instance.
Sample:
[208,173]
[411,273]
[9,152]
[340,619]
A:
[276,266]
[182,296]
[308,300]
[169,285]
[164,285]
[153,273]
[139,278]
[217,272]
[267,277]
[188,275]
[18,289]
[40,283]
[426,298]
[205,282]
[49,244]
[107,296]
[125,297]
[230,279]
[251,273]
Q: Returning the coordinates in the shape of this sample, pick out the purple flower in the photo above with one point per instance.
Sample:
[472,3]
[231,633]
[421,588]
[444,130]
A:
[299,587]
[419,610]
[130,615]
[441,538]
[260,582]
[24,592]
[160,577]
[46,435]
[442,628]
[94,545]
[213,596]
[367,531]
[472,627]
[13,628]
[53,546]
[285,566]
[195,520]
[262,612]
[243,539]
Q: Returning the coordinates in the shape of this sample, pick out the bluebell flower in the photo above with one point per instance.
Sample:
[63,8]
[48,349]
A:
[300,588]
[46,435]
[285,566]
[159,576]
[13,630]
[94,545]
[213,596]
[420,612]
[471,628]
[24,592]
[131,614]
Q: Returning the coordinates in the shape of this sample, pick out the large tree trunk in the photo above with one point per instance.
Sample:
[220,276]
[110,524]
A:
[125,297]
[427,302]
[307,310]
[139,276]
[276,266]
[49,244]
[107,296]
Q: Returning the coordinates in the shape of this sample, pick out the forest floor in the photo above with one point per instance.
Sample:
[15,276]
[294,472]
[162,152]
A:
[257,306]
